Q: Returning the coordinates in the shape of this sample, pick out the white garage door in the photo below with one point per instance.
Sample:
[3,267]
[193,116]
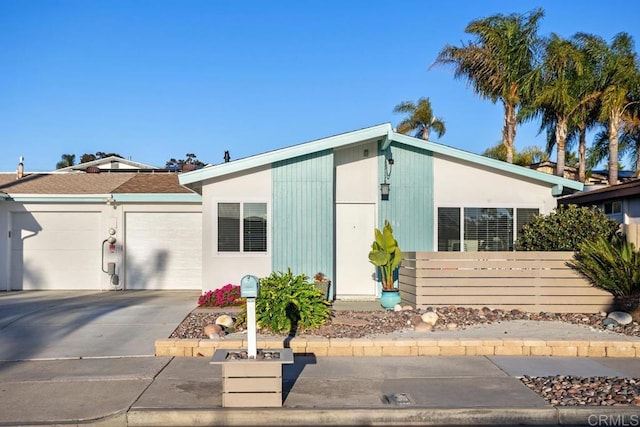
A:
[163,250]
[55,250]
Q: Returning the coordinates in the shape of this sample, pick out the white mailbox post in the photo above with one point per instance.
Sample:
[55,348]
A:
[250,289]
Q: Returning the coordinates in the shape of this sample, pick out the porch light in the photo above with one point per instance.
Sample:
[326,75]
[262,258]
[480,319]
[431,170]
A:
[384,190]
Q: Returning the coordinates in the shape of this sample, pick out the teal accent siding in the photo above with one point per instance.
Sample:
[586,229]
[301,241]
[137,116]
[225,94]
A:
[303,214]
[410,205]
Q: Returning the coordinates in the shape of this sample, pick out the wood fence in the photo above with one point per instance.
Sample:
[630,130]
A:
[528,281]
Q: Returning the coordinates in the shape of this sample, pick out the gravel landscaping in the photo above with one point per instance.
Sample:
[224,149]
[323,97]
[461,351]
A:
[580,391]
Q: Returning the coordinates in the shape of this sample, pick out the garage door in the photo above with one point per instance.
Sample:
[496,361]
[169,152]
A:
[163,250]
[55,250]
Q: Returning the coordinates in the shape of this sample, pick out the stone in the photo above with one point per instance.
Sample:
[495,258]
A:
[423,327]
[397,307]
[212,331]
[621,317]
[407,308]
[609,322]
[430,318]
[225,320]
[452,326]
[415,319]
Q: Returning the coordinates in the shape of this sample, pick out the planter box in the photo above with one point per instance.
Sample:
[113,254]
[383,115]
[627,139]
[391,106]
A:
[250,383]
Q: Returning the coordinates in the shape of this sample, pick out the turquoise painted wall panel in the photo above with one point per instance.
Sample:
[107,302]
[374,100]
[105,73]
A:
[302,212]
[410,204]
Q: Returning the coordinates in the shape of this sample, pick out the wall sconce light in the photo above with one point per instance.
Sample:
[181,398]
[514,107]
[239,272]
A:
[384,190]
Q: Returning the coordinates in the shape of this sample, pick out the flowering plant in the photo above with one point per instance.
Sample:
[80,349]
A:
[225,296]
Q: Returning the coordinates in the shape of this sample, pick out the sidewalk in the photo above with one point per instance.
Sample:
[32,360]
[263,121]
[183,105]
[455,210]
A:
[160,391]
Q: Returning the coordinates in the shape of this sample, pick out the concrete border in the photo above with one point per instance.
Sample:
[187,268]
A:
[397,346]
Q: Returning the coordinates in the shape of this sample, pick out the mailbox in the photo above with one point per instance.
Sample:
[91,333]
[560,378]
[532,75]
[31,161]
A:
[249,286]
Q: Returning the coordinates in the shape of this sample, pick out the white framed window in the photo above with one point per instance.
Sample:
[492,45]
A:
[473,229]
[242,227]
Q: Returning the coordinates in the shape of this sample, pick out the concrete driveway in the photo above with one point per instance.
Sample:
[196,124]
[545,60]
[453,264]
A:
[82,324]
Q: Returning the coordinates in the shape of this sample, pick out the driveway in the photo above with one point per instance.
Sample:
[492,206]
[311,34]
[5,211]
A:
[84,324]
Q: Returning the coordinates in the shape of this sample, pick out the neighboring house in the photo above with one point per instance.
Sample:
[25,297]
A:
[56,227]
[620,202]
[313,207]
[594,177]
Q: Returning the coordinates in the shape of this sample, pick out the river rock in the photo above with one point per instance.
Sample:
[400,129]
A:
[621,317]
[407,308]
[397,307]
[609,322]
[225,320]
[423,327]
[430,318]
[212,331]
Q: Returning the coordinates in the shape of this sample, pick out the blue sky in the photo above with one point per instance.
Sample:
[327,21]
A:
[155,79]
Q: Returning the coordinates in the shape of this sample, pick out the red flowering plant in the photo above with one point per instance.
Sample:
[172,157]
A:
[228,295]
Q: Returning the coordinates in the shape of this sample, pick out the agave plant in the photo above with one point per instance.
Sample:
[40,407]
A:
[611,265]
[386,255]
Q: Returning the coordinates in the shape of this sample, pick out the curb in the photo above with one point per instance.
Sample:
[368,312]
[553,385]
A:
[394,346]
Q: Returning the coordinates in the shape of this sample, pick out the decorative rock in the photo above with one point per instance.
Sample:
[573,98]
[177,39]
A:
[609,322]
[621,317]
[430,318]
[451,326]
[407,308]
[423,327]
[225,320]
[397,307]
[603,313]
[415,319]
[212,331]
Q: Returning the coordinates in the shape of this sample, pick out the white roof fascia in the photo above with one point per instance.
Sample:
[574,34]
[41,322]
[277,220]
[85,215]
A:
[258,160]
[557,181]
[106,160]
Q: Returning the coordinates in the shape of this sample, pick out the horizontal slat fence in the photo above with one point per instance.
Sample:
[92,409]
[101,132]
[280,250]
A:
[528,281]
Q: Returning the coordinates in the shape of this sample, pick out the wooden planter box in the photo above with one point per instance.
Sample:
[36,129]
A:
[250,383]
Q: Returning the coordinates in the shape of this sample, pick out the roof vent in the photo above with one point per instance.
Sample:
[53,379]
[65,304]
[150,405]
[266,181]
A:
[20,171]
[93,169]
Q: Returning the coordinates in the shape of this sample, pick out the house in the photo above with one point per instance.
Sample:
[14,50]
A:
[620,202]
[594,177]
[107,224]
[313,207]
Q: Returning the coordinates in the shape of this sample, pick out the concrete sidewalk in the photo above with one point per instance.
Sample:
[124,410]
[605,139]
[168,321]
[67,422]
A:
[158,391]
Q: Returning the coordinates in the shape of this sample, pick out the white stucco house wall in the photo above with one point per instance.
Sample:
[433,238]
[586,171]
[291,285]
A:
[56,227]
[313,207]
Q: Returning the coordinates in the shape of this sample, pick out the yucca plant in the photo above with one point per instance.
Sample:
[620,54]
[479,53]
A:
[611,265]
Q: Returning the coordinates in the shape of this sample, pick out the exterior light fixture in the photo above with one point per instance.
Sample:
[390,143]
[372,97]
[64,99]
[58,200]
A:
[384,190]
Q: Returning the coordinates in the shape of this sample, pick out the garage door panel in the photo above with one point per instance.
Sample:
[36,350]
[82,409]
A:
[55,250]
[163,250]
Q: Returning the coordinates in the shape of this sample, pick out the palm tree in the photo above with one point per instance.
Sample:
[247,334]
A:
[618,76]
[528,156]
[500,64]
[559,95]
[629,141]
[66,160]
[420,119]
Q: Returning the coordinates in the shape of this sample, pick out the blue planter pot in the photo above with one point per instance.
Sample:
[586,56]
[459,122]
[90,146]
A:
[389,299]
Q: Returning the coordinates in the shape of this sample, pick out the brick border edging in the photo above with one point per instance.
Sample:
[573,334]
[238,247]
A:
[381,346]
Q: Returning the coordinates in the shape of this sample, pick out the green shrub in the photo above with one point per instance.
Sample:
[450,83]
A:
[610,265]
[565,229]
[287,302]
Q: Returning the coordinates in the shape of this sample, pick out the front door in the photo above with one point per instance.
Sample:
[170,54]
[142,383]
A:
[355,223]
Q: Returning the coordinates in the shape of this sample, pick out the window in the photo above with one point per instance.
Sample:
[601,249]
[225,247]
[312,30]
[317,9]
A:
[248,235]
[480,229]
[614,207]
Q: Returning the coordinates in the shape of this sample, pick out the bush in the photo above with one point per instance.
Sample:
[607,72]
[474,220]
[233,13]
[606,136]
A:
[565,229]
[228,295]
[287,302]
[610,265]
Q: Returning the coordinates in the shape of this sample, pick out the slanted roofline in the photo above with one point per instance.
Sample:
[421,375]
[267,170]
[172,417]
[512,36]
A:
[385,134]
[103,161]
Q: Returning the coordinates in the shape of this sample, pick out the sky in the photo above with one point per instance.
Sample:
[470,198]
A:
[156,79]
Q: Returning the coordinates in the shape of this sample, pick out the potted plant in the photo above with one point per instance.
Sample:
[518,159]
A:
[386,256]
[322,283]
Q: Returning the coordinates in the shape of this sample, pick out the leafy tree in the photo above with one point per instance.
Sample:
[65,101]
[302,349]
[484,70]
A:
[500,63]
[526,157]
[66,160]
[191,159]
[420,119]
[565,229]
[88,157]
[617,78]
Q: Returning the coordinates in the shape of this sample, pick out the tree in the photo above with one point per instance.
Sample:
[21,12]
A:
[617,78]
[500,64]
[526,157]
[420,119]
[559,95]
[66,161]
[191,159]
